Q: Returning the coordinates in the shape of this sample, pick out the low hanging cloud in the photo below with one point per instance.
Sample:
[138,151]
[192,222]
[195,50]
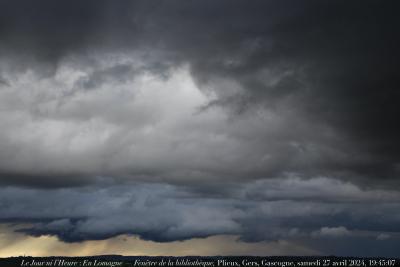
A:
[333,232]
[164,213]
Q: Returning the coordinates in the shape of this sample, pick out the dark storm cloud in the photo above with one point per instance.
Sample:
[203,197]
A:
[205,99]
[165,213]
[49,30]
[330,66]
[335,64]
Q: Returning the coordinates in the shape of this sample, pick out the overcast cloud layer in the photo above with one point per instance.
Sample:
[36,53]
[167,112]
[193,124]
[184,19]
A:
[315,213]
[181,119]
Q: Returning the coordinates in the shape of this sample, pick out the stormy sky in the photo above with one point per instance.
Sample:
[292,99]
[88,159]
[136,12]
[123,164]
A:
[266,127]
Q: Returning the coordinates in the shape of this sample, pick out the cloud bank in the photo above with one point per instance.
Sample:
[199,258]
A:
[260,211]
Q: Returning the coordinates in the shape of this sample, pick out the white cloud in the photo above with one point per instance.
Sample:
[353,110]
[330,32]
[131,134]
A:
[383,236]
[339,231]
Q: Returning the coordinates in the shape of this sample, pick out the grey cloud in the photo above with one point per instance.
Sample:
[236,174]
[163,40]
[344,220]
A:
[332,232]
[261,115]
[3,82]
[119,72]
[154,212]
[317,189]
[143,126]
[383,236]
[319,73]
[146,129]
[162,213]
